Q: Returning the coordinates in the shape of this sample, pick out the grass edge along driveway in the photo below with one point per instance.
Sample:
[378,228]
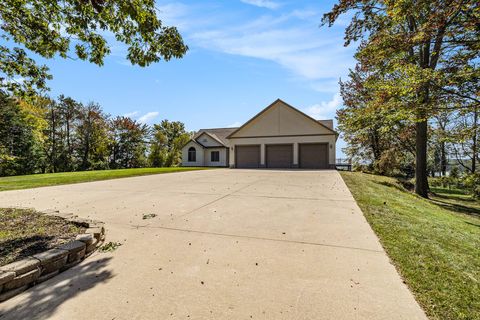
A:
[435,246]
[53,179]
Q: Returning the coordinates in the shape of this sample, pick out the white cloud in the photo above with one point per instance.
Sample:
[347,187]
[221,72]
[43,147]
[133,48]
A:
[174,14]
[325,109]
[131,114]
[262,3]
[235,124]
[290,40]
[149,116]
[325,86]
[146,118]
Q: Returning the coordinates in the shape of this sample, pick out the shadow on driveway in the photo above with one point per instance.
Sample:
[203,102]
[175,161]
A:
[41,301]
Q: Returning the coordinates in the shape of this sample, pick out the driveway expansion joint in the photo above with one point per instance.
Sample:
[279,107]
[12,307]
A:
[264,238]
[216,200]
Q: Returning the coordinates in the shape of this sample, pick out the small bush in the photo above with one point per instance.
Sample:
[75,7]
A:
[388,164]
[454,173]
[471,182]
[365,168]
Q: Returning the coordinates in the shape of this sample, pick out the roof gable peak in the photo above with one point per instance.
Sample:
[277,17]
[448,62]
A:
[274,104]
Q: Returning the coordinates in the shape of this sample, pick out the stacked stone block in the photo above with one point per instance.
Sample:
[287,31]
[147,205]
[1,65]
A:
[20,275]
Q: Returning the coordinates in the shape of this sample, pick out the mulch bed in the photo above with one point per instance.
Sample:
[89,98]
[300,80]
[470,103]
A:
[25,232]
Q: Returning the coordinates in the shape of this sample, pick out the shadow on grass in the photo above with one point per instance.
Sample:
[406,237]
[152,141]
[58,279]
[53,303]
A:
[399,184]
[440,200]
[448,191]
[42,301]
[457,207]
[454,196]
[473,224]
[391,185]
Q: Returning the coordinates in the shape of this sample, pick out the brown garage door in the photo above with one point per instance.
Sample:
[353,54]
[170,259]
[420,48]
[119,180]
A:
[313,156]
[279,156]
[247,156]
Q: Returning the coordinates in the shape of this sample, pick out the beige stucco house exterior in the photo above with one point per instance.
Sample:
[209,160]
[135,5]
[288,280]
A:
[280,136]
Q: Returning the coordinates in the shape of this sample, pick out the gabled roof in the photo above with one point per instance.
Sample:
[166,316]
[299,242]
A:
[218,134]
[327,123]
[211,135]
[194,141]
[319,122]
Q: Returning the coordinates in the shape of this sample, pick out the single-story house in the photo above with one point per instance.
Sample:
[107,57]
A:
[280,136]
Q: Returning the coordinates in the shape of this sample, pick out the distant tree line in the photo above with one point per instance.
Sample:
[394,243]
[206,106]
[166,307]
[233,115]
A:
[42,135]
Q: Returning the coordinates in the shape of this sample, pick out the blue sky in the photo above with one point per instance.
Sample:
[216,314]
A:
[243,55]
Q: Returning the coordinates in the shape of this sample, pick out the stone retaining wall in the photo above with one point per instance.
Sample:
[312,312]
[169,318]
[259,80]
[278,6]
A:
[20,275]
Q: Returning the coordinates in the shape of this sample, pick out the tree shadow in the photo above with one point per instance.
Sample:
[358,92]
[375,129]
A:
[457,207]
[440,200]
[41,301]
[454,196]
[18,248]
[400,185]
[473,224]
[445,191]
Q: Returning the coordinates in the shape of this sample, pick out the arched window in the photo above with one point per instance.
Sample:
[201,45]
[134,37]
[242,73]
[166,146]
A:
[192,154]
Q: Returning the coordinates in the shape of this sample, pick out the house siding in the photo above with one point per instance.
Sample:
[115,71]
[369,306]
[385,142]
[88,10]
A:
[223,157]
[208,141]
[200,155]
[280,119]
[203,156]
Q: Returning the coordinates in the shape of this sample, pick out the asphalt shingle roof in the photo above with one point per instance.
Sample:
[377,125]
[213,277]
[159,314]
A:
[219,134]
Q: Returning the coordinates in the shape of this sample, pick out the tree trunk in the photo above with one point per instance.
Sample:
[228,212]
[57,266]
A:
[69,146]
[443,159]
[53,157]
[421,137]
[474,145]
[421,182]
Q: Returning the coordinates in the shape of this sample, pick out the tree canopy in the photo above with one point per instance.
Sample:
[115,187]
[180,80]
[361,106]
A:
[416,59]
[78,29]
[60,135]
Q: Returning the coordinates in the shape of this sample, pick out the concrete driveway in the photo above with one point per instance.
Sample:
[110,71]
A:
[226,244]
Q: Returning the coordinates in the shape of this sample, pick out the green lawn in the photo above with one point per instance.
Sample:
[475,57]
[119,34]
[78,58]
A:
[52,179]
[435,244]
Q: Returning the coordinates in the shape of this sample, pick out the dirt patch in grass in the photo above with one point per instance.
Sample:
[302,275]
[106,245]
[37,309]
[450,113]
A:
[24,232]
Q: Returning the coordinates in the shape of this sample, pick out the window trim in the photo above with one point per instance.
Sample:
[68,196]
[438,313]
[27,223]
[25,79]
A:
[192,154]
[215,159]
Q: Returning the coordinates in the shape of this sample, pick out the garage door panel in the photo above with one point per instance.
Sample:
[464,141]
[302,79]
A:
[313,156]
[247,156]
[279,156]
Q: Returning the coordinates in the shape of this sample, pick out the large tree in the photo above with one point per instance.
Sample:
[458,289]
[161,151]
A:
[21,136]
[92,136]
[463,138]
[425,48]
[78,28]
[374,136]
[69,111]
[167,140]
[128,143]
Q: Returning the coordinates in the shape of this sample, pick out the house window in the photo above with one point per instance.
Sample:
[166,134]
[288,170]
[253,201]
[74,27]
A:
[192,154]
[215,156]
